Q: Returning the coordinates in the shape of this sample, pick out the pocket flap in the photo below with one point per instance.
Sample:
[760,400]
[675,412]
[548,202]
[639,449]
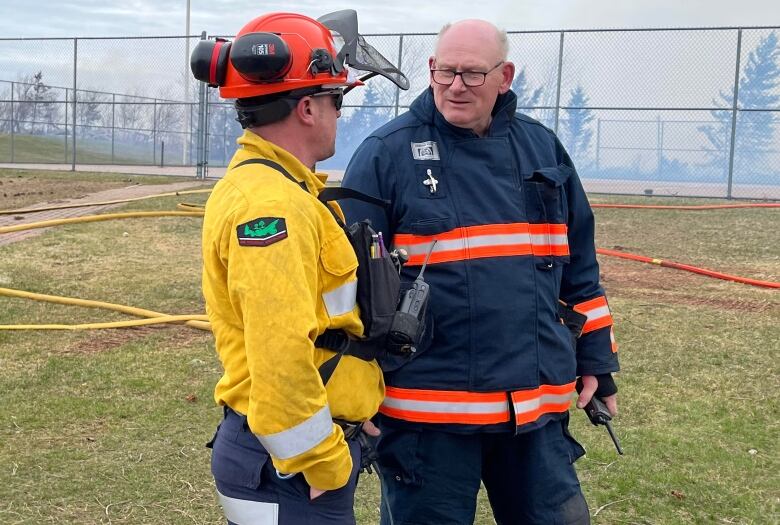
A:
[236,465]
[431,226]
[554,175]
[338,256]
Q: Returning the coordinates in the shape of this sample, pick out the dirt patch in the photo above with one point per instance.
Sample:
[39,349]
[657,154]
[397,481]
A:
[108,339]
[18,192]
[102,340]
[644,281]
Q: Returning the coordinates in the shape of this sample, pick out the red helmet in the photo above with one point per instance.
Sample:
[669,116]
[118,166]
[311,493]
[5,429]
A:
[281,52]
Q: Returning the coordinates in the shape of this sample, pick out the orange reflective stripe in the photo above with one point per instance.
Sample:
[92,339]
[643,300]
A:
[598,313]
[476,408]
[612,340]
[530,405]
[442,406]
[486,240]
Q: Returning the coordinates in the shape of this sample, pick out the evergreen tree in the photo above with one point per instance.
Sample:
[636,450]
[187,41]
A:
[758,87]
[575,129]
[352,130]
[526,97]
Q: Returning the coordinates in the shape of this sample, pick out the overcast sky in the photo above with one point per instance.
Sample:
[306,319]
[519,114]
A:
[85,18]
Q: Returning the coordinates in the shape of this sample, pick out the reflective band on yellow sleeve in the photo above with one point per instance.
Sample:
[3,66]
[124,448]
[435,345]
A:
[246,512]
[300,438]
[342,300]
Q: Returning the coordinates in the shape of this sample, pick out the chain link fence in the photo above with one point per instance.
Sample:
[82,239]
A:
[689,112]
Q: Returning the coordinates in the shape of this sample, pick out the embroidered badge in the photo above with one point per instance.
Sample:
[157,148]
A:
[262,231]
[425,150]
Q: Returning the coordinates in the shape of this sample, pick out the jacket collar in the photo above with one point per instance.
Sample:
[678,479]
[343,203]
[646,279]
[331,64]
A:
[252,145]
[503,112]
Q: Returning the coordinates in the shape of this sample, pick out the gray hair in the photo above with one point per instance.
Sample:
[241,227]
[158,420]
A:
[501,36]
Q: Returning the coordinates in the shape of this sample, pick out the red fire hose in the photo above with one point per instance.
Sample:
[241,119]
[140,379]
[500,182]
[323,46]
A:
[688,268]
[694,208]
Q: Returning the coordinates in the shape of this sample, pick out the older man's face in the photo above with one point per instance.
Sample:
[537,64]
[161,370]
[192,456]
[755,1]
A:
[470,48]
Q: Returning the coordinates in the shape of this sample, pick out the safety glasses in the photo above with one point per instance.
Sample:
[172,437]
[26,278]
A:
[337,94]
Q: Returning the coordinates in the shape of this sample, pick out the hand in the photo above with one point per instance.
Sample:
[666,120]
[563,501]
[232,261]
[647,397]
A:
[315,493]
[371,429]
[589,385]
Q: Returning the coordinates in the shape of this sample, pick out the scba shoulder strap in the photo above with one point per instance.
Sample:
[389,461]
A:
[378,282]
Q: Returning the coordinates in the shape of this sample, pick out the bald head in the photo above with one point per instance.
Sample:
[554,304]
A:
[477,33]
[477,49]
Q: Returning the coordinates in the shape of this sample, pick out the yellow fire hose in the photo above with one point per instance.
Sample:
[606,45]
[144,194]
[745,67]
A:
[103,203]
[198,321]
[115,324]
[195,321]
[95,218]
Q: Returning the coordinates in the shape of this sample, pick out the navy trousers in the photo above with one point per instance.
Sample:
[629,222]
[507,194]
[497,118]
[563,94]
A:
[252,493]
[432,478]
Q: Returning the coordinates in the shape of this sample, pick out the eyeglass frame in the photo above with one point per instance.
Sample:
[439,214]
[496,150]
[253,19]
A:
[455,73]
[337,94]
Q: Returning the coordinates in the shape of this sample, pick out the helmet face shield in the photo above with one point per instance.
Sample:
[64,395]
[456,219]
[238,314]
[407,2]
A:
[281,52]
[356,52]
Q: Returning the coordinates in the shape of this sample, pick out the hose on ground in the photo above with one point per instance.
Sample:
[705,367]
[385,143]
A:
[199,321]
[688,268]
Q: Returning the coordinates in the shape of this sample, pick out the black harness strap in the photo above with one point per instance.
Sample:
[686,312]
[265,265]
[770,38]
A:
[275,165]
[335,194]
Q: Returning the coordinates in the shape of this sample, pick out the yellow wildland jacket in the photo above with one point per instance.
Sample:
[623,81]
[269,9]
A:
[277,272]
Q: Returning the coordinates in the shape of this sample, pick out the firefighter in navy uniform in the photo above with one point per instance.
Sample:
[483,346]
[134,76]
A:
[278,271]
[487,398]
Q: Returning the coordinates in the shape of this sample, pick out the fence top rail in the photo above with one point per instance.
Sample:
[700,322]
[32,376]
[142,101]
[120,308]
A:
[511,32]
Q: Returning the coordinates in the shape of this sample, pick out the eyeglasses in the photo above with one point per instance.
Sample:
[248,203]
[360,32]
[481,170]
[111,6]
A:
[337,94]
[446,77]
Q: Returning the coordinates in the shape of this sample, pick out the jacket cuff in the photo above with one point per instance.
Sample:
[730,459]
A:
[333,469]
[595,353]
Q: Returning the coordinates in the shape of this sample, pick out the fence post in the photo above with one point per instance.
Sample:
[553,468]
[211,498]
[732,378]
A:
[154,134]
[206,134]
[66,125]
[558,89]
[400,55]
[734,110]
[75,96]
[659,140]
[13,124]
[113,125]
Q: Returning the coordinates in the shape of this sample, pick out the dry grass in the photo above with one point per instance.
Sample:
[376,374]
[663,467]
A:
[108,426]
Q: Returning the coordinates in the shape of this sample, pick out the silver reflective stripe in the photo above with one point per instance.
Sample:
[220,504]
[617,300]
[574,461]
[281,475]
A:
[342,300]
[530,405]
[441,246]
[447,407]
[246,512]
[597,313]
[556,239]
[504,239]
[300,438]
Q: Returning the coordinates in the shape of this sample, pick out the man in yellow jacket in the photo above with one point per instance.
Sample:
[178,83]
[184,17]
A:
[278,270]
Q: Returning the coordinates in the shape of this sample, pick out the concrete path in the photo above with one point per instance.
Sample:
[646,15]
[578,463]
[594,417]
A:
[107,195]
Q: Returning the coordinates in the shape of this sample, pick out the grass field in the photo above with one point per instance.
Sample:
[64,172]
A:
[109,426]
[39,148]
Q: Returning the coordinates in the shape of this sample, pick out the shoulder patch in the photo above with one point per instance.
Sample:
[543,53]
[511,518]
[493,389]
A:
[262,231]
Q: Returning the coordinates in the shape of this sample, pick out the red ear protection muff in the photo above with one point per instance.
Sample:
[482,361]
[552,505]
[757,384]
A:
[261,57]
[209,61]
